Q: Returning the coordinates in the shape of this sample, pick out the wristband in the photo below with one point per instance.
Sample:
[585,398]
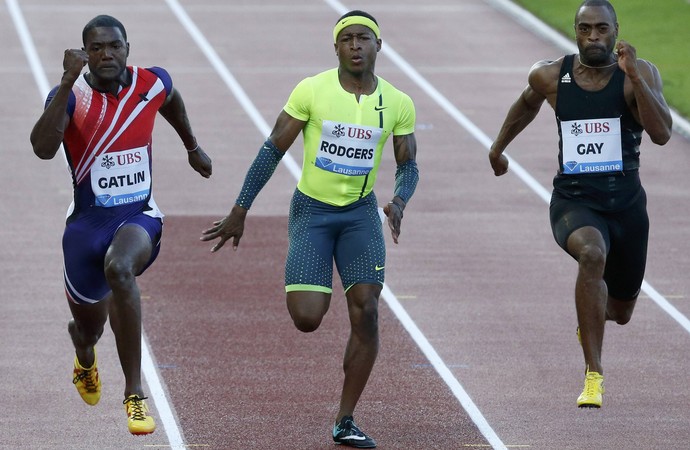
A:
[194,149]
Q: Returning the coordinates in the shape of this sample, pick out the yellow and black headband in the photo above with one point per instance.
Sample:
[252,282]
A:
[355,20]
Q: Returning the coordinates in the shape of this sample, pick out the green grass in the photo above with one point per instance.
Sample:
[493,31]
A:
[659,30]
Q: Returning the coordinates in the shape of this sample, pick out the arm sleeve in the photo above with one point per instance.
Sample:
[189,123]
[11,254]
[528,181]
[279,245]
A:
[259,173]
[406,178]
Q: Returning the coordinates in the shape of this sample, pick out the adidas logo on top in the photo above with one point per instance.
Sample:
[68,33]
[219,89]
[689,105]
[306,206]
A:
[566,78]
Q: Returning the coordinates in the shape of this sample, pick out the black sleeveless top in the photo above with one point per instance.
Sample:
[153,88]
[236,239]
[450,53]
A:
[608,190]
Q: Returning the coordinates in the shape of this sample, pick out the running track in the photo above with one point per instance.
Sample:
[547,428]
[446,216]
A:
[477,320]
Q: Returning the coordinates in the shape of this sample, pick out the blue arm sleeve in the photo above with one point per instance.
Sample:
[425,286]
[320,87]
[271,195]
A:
[259,173]
[406,178]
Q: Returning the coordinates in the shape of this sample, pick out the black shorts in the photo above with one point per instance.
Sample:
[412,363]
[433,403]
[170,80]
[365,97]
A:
[625,233]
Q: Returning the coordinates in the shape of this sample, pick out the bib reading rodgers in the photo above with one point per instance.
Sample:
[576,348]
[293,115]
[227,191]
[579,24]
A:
[347,149]
[120,178]
[592,146]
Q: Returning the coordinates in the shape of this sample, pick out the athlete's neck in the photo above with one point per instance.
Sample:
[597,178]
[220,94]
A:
[358,84]
[579,58]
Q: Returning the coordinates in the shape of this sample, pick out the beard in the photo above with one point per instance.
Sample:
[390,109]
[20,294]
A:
[596,55]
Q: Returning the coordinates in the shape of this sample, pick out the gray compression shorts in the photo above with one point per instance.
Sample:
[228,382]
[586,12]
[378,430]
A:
[319,234]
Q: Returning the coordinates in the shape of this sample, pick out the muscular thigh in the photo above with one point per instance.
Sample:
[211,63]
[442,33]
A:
[625,234]
[568,215]
[85,242]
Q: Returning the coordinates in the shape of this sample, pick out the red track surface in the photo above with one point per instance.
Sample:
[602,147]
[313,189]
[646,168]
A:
[476,269]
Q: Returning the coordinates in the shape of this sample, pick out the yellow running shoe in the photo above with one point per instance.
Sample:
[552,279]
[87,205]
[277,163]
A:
[591,394]
[87,381]
[138,420]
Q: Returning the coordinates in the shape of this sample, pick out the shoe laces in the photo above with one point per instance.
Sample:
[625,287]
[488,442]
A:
[85,376]
[348,423]
[592,386]
[135,407]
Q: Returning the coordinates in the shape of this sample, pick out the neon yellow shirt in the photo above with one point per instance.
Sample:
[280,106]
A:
[344,139]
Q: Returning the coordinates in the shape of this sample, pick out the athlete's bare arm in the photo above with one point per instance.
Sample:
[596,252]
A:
[49,130]
[542,85]
[644,94]
[175,112]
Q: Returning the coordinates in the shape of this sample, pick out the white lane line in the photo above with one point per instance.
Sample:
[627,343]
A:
[407,322]
[29,48]
[229,80]
[528,20]
[680,124]
[387,294]
[166,416]
[534,24]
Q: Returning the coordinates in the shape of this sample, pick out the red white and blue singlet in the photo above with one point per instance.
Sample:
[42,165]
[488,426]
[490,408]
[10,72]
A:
[108,149]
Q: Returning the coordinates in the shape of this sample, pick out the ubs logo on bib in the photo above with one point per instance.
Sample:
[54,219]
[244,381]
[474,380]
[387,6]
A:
[338,131]
[108,162]
[576,129]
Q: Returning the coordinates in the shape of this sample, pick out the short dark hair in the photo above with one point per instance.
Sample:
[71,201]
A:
[605,3]
[103,21]
[357,12]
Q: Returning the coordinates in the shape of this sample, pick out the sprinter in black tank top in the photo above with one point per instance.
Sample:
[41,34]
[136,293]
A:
[603,98]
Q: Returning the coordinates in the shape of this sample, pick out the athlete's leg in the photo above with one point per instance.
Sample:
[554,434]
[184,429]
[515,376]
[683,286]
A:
[307,308]
[627,258]
[588,247]
[362,346]
[127,256]
[620,311]
[86,328]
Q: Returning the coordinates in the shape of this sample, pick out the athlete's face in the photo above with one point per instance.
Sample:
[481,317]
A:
[108,51]
[356,48]
[596,31]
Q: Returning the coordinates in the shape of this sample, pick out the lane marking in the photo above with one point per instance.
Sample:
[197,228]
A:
[680,124]
[532,23]
[229,80]
[156,387]
[386,293]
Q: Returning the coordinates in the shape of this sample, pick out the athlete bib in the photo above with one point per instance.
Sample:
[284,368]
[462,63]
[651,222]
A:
[592,146]
[120,178]
[347,149]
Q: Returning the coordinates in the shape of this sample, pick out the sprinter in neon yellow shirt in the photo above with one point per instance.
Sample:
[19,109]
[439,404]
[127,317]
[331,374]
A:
[346,115]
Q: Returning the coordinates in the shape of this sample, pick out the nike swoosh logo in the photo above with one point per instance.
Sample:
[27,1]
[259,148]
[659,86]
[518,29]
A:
[356,438]
[377,268]
[380,108]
